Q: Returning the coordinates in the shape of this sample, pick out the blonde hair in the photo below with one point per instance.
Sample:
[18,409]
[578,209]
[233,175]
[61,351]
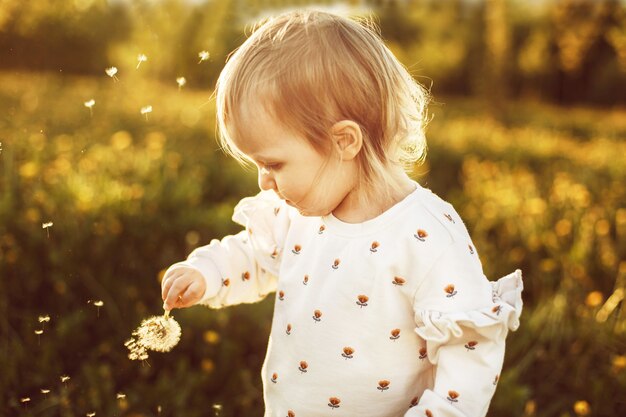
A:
[313,69]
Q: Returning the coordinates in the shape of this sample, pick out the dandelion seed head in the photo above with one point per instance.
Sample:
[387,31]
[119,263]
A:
[156,333]
[111,71]
[181,81]
[146,110]
[120,396]
[90,103]
[24,400]
[46,225]
[45,391]
[65,378]
[92,414]
[44,319]
[98,303]
[38,332]
[203,55]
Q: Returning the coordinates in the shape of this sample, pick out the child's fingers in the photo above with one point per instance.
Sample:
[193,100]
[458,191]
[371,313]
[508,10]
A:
[179,286]
[168,281]
[192,294]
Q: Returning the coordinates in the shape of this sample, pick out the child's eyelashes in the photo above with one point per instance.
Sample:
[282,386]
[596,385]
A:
[266,168]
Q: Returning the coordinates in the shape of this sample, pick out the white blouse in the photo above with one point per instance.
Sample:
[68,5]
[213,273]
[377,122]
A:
[390,317]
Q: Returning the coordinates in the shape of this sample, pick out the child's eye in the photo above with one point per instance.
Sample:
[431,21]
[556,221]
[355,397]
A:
[272,166]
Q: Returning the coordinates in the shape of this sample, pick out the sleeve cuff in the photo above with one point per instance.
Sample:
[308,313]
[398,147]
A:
[432,405]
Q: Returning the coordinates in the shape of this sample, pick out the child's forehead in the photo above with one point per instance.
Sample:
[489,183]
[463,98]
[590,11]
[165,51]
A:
[256,131]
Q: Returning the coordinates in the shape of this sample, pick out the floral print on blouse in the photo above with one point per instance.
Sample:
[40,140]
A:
[390,317]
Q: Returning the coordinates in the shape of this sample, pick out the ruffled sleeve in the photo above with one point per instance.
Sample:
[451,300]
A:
[492,321]
[464,320]
[243,268]
[266,219]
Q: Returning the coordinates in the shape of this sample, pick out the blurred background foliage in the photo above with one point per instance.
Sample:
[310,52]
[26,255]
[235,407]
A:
[527,140]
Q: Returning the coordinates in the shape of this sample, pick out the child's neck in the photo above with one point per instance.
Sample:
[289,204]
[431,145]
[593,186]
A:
[354,210]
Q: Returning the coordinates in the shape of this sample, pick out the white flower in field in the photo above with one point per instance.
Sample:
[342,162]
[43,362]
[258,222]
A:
[203,55]
[24,400]
[92,414]
[181,81]
[120,396]
[65,378]
[159,333]
[44,319]
[44,391]
[141,58]
[111,71]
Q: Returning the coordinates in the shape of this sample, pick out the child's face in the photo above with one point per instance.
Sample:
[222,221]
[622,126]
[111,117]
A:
[288,164]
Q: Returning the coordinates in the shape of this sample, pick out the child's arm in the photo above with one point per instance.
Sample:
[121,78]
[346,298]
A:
[237,269]
[464,320]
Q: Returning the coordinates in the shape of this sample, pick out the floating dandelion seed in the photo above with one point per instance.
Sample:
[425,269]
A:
[145,110]
[47,226]
[120,396]
[111,71]
[203,55]
[38,333]
[89,104]
[181,81]
[43,320]
[141,58]
[98,304]
[158,333]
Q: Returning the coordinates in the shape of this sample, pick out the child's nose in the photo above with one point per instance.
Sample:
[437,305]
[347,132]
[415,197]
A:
[266,180]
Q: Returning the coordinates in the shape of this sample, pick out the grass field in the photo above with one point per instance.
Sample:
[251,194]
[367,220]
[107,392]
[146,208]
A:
[540,188]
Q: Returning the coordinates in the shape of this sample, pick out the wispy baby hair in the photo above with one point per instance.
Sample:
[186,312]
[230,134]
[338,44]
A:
[312,69]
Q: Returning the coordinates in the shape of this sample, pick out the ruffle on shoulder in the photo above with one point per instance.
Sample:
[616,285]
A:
[492,322]
[266,220]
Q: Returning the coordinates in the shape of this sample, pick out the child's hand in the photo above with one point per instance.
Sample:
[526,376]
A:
[182,287]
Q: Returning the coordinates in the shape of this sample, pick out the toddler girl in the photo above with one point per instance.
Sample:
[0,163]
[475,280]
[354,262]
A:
[381,307]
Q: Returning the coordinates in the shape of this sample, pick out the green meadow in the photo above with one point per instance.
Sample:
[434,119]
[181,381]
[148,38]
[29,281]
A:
[97,200]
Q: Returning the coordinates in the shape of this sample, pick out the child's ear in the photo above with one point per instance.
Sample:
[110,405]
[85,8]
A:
[347,139]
